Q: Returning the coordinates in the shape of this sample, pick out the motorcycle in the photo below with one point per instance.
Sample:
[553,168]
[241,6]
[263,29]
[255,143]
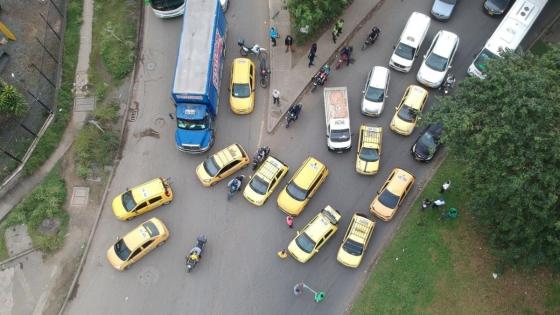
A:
[195,254]
[234,186]
[265,74]
[447,85]
[370,40]
[345,56]
[293,113]
[320,77]
[245,50]
[261,154]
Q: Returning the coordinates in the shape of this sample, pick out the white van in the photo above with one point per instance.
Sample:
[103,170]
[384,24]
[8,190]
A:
[410,41]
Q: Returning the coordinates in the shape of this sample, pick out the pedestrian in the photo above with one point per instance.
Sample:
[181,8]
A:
[339,25]
[288,42]
[334,34]
[282,254]
[312,54]
[290,221]
[445,186]
[425,204]
[276,97]
[273,33]
[438,203]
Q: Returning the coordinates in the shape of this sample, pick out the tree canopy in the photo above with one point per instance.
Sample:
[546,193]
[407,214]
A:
[506,129]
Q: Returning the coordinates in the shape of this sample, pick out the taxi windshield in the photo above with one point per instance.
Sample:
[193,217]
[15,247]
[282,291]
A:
[305,243]
[211,167]
[196,124]
[128,201]
[353,248]
[259,185]
[241,90]
[122,251]
[369,154]
[296,192]
[407,113]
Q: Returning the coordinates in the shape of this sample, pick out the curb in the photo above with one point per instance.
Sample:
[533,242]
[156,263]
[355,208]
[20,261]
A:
[72,287]
[19,255]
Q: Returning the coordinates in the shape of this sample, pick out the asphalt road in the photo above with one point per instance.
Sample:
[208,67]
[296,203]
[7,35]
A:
[240,272]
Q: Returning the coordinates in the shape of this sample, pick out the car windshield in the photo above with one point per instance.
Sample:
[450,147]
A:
[165,5]
[122,250]
[482,60]
[241,90]
[428,141]
[305,243]
[436,62]
[369,154]
[258,185]
[388,199]
[407,113]
[340,135]
[405,51]
[197,124]
[449,1]
[128,201]
[375,94]
[296,192]
[211,167]
[353,248]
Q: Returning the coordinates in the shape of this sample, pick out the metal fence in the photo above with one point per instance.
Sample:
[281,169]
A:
[31,64]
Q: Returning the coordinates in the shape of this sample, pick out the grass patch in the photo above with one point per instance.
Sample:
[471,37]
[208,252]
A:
[445,267]
[94,148]
[540,48]
[46,201]
[52,136]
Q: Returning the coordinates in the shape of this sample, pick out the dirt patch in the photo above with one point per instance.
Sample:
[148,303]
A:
[472,289]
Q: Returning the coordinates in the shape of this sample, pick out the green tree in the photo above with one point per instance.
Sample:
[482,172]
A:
[506,130]
[12,102]
[314,15]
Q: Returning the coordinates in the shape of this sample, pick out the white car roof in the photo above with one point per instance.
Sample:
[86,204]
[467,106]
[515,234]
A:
[445,43]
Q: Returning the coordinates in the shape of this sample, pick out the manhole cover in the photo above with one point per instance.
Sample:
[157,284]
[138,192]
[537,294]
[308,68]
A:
[151,66]
[84,103]
[80,196]
[148,276]
[160,122]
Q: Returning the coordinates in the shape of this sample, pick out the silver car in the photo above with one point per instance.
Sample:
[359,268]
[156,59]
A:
[442,9]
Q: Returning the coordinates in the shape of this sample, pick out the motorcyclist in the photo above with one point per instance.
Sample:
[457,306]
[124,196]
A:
[450,81]
[375,31]
[195,254]
[345,54]
[294,111]
[324,73]
[236,182]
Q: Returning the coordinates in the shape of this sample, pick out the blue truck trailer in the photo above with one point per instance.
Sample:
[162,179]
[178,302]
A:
[196,86]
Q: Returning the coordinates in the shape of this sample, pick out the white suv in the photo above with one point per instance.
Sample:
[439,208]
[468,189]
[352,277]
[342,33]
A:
[375,91]
[438,59]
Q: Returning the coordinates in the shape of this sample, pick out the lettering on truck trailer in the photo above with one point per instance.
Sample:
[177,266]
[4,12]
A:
[189,97]
[218,47]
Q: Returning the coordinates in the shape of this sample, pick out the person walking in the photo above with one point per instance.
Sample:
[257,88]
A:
[438,203]
[312,54]
[282,254]
[276,97]
[288,42]
[445,186]
[334,34]
[273,33]
[339,24]
[425,204]
[290,221]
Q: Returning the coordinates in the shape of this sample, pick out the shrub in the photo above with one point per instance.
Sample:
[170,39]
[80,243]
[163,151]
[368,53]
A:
[314,14]
[94,148]
[12,102]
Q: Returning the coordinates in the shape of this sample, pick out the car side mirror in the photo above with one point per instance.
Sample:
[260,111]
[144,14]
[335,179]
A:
[424,56]
[363,91]
[396,107]
[297,233]
[449,67]
[327,135]
[394,47]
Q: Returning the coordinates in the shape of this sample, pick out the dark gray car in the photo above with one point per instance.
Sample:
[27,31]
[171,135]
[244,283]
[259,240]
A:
[442,9]
[496,7]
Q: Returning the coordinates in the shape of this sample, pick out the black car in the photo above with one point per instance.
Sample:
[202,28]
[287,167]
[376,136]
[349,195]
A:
[428,143]
[496,7]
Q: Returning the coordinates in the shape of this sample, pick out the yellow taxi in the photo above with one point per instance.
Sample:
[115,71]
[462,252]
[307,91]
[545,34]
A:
[242,86]
[137,243]
[411,105]
[303,185]
[392,194]
[222,164]
[266,178]
[369,150]
[314,235]
[355,241]
[142,198]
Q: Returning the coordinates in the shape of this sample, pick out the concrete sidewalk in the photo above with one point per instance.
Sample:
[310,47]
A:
[291,77]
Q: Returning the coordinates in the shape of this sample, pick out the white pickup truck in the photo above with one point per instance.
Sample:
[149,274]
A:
[338,119]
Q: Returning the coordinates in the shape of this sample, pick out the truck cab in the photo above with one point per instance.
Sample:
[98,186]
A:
[195,129]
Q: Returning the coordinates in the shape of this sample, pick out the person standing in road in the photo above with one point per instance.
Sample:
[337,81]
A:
[290,221]
[445,186]
[276,97]
[312,54]
[273,33]
[288,42]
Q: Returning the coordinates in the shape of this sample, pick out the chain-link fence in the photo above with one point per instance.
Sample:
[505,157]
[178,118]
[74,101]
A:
[31,64]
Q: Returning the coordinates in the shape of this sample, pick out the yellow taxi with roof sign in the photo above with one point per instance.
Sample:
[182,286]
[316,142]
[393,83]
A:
[222,164]
[355,241]
[409,108]
[392,194]
[137,243]
[142,198]
[266,178]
